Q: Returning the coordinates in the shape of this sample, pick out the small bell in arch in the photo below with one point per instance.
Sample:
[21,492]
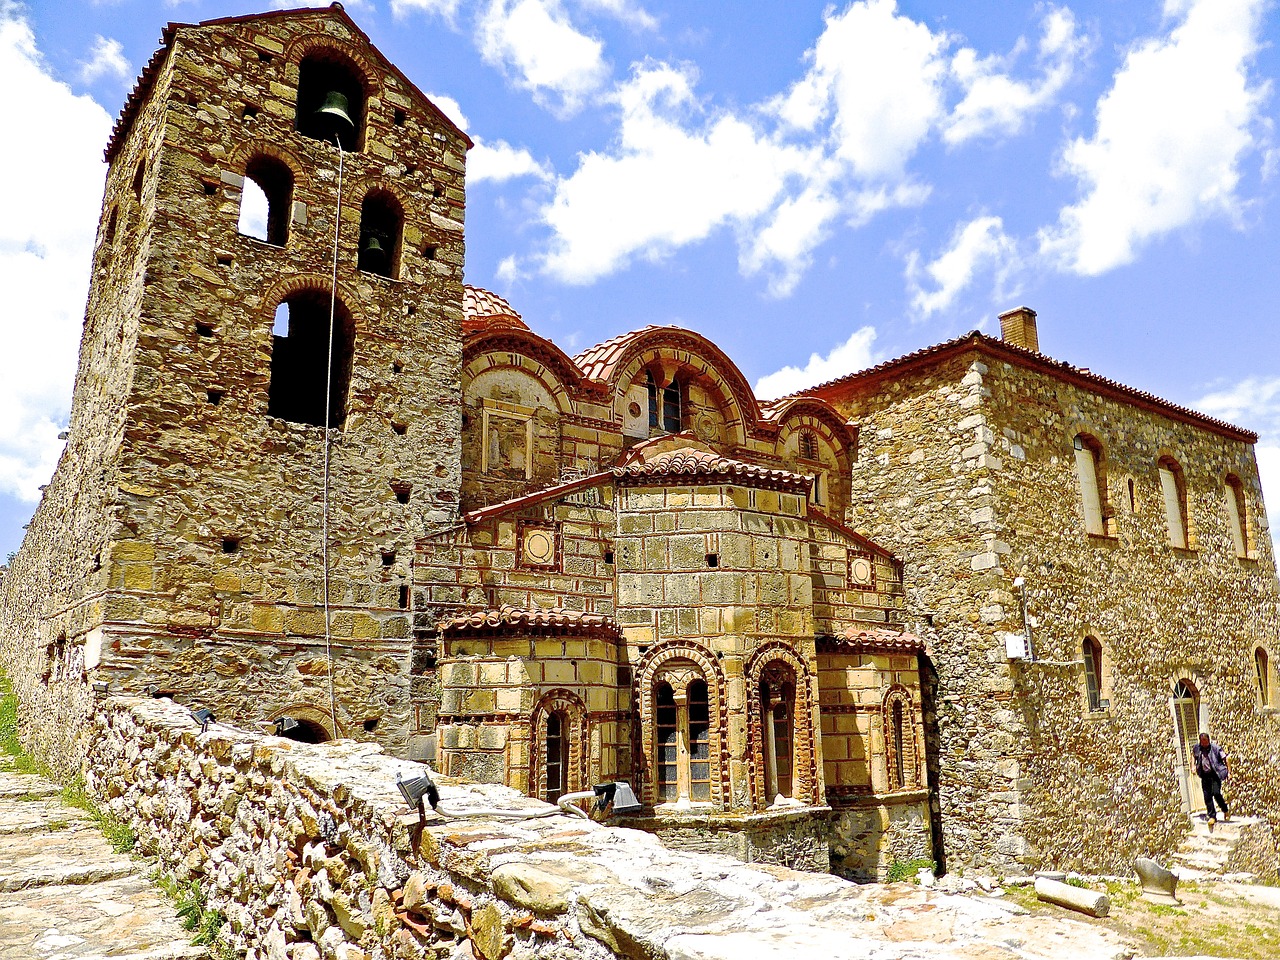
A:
[333,119]
[373,255]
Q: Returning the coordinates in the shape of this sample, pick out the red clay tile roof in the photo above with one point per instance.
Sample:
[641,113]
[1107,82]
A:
[994,346]
[875,638]
[689,463]
[597,362]
[539,619]
[485,310]
[142,87]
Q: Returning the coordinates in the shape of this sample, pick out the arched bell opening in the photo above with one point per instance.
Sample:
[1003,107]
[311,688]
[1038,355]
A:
[381,226]
[331,100]
[299,351]
[266,200]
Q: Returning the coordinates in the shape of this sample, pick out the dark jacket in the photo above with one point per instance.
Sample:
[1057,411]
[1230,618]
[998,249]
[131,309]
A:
[1210,760]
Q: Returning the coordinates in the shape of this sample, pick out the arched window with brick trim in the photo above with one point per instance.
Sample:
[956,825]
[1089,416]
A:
[682,734]
[1091,653]
[300,354]
[777,694]
[902,762]
[559,749]
[266,200]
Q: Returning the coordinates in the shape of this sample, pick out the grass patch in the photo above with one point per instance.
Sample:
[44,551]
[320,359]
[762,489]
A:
[194,912]
[906,869]
[9,744]
[118,833]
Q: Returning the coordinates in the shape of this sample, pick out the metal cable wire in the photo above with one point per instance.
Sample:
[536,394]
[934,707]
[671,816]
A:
[328,440]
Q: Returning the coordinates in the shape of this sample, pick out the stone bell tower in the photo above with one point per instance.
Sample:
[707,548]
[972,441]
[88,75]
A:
[227,420]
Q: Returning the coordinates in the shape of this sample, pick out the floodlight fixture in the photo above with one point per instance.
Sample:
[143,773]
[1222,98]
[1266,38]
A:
[204,716]
[619,794]
[415,790]
[286,727]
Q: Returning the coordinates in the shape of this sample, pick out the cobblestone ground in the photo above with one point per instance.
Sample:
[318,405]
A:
[64,894]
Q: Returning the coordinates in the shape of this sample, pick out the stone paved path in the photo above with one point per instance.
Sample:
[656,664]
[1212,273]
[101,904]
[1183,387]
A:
[64,894]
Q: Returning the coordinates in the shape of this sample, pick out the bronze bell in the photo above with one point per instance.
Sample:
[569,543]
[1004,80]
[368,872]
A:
[372,247]
[334,117]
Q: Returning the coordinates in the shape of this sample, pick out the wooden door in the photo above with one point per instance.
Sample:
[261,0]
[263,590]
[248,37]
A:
[1186,721]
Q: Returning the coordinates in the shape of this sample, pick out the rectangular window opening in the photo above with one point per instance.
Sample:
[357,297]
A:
[250,112]
[224,259]
[400,429]
[230,544]
[398,118]
[713,559]
[404,596]
[214,397]
[608,556]
[204,329]
[388,558]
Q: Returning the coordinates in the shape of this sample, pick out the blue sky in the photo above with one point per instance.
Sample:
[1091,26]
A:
[815,187]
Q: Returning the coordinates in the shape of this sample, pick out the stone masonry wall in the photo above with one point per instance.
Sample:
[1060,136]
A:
[309,853]
[1161,615]
[923,488]
[214,569]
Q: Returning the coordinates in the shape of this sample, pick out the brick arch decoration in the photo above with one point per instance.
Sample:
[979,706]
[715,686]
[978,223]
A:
[309,711]
[283,288]
[804,757]
[648,671]
[576,734]
[910,742]
[697,357]
[303,47]
[242,153]
[504,355]
[365,187]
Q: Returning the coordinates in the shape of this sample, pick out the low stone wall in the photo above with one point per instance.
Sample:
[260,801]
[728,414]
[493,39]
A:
[786,838]
[866,840]
[310,854]
[1254,853]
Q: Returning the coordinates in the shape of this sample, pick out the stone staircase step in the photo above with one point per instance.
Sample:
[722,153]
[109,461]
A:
[36,816]
[19,786]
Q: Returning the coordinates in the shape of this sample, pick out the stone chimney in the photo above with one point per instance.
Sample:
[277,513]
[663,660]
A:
[1018,327]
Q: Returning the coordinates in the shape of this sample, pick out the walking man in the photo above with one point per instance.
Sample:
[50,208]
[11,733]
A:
[1211,765]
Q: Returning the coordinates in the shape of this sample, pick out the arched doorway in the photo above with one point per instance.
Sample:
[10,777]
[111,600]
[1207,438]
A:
[1185,703]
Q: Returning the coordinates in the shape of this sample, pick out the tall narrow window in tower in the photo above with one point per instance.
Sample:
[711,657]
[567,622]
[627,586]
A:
[808,446]
[1091,469]
[899,741]
[668,744]
[299,350]
[1237,516]
[556,756]
[777,691]
[1262,665]
[381,224]
[672,419]
[1091,653]
[266,200]
[1173,486]
[331,97]
[699,743]
[139,178]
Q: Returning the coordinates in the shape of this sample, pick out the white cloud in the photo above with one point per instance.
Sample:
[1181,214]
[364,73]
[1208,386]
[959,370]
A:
[1170,137]
[106,59]
[534,40]
[1254,403]
[980,244]
[675,176]
[499,162]
[632,14]
[51,200]
[997,103]
[878,77]
[508,271]
[450,108]
[447,10]
[852,355]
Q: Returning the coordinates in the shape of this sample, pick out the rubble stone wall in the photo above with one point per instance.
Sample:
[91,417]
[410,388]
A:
[309,852]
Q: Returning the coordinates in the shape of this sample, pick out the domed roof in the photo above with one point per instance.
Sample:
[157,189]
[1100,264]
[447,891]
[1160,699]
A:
[485,310]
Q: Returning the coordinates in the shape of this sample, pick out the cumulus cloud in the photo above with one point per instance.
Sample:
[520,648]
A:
[445,9]
[499,162]
[981,244]
[106,59]
[995,102]
[450,108]
[832,150]
[1254,403]
[848,357]
[534,42]
[877,78]
[1169,140]
[632,14]
[51,202]
[708,170]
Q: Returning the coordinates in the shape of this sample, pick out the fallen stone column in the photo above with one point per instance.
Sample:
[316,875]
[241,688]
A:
[1076,898]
